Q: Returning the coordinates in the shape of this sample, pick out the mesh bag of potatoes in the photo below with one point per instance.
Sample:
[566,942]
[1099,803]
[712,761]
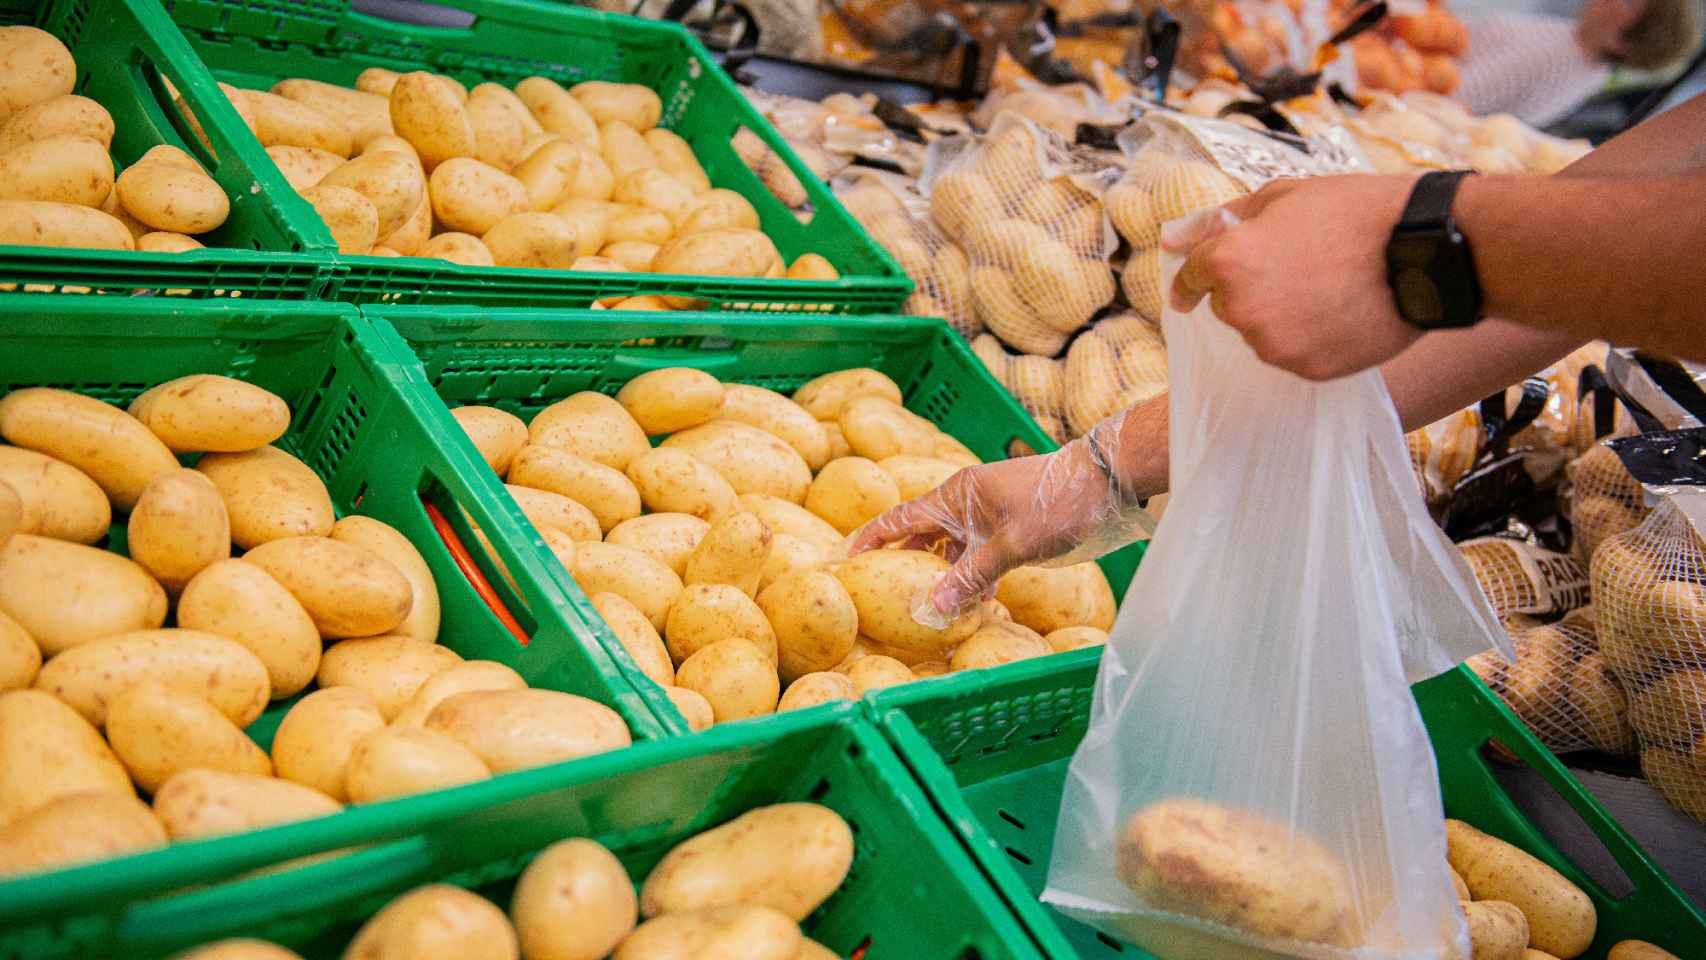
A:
[1561,686]
[1602,500]
[1028,215]
[936,265]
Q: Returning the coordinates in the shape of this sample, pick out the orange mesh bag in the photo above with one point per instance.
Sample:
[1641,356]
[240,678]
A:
[940,274]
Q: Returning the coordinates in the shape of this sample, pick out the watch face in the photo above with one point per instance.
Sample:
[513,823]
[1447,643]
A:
[1417,296]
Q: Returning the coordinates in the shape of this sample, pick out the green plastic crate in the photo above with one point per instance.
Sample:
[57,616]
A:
[255,45]
[125,50]
[912,891]
[995,762]
[360,422]
[523,361]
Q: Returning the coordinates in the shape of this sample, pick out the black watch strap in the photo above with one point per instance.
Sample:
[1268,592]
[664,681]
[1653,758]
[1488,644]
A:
[1429,265]
[1430,199]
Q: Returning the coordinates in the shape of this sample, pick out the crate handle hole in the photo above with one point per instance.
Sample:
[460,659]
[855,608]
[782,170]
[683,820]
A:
[1015,821]
[1018,856]
[818,791]
[1110,942]
[1555,820]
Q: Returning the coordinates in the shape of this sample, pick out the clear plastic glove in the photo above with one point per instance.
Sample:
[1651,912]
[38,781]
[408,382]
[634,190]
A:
[1057,509]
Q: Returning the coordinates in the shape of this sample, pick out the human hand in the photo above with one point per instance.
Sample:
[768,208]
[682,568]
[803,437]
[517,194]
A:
[1299,270]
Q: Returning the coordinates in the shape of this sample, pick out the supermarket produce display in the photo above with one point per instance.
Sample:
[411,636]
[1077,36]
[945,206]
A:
[434,458]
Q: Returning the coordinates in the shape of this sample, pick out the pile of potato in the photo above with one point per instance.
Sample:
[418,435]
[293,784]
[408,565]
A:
[57,182]
[738,890]
[124,703]
[415,164]
[717,557]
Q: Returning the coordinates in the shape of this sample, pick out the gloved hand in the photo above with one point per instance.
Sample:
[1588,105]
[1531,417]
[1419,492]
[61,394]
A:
[1072,505]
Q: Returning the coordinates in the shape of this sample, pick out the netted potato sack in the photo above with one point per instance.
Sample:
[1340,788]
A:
[1603,500]
[1027,215]
[1443,451]
[1649,585]
[1166,179]
[1561,686]
[937,266]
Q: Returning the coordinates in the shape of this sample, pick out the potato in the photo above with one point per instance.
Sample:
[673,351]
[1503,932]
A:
[877,429]
[876,671]
[39,223]
[546,510]
[734,675]
[58,116]
[827,396]
[399,761]
[750,933]
[179,527]
[78,828]
[549,173]
[365,116]
[385,542]
[885,585]
[237,948]
[732,552]
[113,448]
[629,256]
[436,922]
[539,241]
[391,669]
[56,499]
[693,707]
[722,252]
[390,143]
[472,197]
[166,196]
[157,731]
[282,122]
[718,210]
[674,156]
[49,751]
[814,620]
[462,248]
[851,491]
[495,116]
[915,476]
[66,594]
[676,481]
[316,737]
[591,229]
[1075,638]
[812,689]
[573,902]
[347,591]
[590,425]
[497,434]
[391,181]
[751,460]
[413,235]
[269,495]
[630,223]
[780,417]
[557,111]
[1638,950]
[221,671]
[623,149]
[706,613]
[637,636]
[810,266]
[63,168]
[20,658]
[351,218]
[377,80]
[34,66]
[788,856]
[672,399]
[591,179]
[997,643]
[610,495]
[1560,916]
[647,187]
[1047,599]
[783,517]
[242,602]
[635,576]
[425,112]
[630,103]
[669,538]
[515,729]
[459,678]
[205,412]
[304,166]
[1497,930]
[788,555]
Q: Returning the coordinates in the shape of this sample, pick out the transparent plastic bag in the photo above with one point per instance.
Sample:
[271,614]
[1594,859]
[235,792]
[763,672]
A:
[1256,780]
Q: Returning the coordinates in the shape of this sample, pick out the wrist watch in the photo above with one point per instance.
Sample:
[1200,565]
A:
[1428,262]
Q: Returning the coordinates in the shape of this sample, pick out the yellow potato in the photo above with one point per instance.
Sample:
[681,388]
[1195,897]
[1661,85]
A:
[693,706]
[348,591]
[529,239]
[391,669]
[591,179]
[632,223]
[462,248]
[637,636]
[641,303]
[1047,599]
[751,460]
[399,761]
[66,594]
[925,669]
[269,495]
[573,902]
[391,181]
[635,576]
[11,512]
[158,730]
[1638,950]
[238,948]
[623,149]
[547,510]
[557,111]
[550,172]
[204,412]
[674,155]
[40,223]
[364,116]
[916,476]
[723,252]
[390,143]
[590,425]
[166,153]
[222,672]
[788,555]
[314,740]
[676,481]
[734,677]
[732,552]
[460,678]
[351,218]
[996,643]
[79,828]
[706,613]
[436,922]
[113,448]
[788,856]
[57,116]
[669,538]
[629,103]
[472,197]
[179,527]
[877,428]
[827,396]
[812,689]
[1561,918]
[282,122]
[885,586]
[56,499]
[591,229]
[851,491]
[161,241]
[495,116]
[671,399]
[385,542]
[49,751]
[777,415]
[64,168]
[1497,930]
[20,658]
[377,80]
[497,434]
[241,602]
[876,671]
[718,210]
[647,187]
[784,517]
[810,266]
[515,729]
[630,256]
[1075,638]
[751,933]
[428,114]
[34,66]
